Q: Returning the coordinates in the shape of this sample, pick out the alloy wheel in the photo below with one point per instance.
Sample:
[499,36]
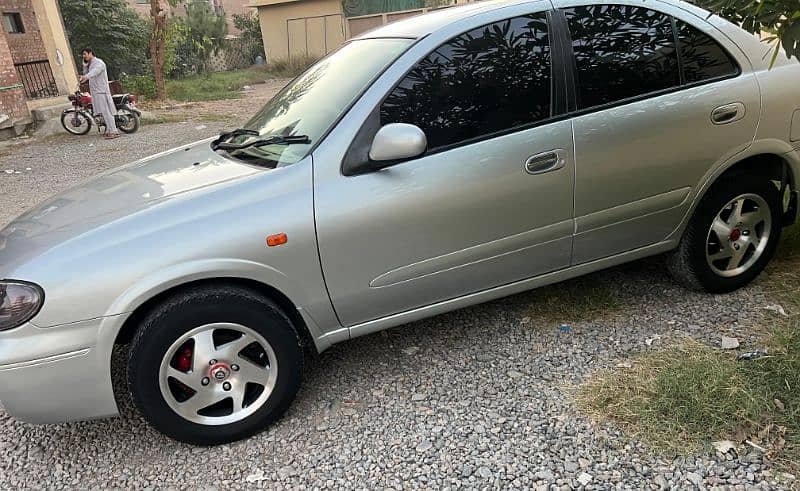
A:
[738,235]
[218,374]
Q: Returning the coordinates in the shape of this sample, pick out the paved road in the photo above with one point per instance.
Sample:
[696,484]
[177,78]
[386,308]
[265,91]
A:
[480,397]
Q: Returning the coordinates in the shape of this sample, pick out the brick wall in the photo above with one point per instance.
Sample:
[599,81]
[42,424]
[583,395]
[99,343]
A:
[27,46]
[12,100]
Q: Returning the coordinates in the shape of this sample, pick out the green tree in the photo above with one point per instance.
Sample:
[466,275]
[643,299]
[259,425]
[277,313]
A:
[779,19]
[250,34]
[205,32]
[112,29]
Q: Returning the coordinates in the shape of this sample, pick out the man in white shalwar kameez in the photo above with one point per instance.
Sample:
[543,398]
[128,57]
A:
[95,72]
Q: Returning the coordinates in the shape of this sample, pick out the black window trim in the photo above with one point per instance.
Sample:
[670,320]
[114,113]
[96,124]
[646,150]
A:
[557,94]
[572,79]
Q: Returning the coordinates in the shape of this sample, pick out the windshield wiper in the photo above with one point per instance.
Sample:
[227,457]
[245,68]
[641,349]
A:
[232,134]
[261,142]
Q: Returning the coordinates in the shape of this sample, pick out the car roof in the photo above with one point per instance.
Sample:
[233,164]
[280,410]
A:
[420,26]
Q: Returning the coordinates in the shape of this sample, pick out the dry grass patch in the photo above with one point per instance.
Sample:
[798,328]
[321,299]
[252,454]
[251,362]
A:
[683,398]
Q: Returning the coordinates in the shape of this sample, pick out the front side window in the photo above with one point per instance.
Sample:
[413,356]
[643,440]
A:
[702,58]
[486,81]
[621,51]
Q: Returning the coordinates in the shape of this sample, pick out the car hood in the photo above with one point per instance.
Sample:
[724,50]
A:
[114,195]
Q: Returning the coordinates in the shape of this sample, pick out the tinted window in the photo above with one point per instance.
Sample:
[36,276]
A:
[620,52]
[701,56]
[487,80]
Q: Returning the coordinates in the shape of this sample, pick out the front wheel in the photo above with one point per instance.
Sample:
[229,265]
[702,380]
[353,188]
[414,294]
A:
[127,121]
[731,237]
[214,365]
[76,122]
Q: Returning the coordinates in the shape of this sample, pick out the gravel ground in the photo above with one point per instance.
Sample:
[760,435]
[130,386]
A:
[480,397]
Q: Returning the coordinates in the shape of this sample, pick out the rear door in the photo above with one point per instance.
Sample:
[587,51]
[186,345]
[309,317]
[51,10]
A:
[659,99]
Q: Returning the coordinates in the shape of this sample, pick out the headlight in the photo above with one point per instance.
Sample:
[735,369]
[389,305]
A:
[19,302]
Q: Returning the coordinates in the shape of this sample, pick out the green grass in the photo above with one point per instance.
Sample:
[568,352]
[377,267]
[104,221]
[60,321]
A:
[685,397]
[214,86]
[228,85]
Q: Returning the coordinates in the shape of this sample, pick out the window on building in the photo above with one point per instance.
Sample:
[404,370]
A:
[13,23]
[489,80]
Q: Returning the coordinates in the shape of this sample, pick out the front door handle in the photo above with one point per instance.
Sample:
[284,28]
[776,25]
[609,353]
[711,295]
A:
[545,162]
[728,113]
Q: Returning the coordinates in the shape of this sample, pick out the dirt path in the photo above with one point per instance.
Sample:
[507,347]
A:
[225,111]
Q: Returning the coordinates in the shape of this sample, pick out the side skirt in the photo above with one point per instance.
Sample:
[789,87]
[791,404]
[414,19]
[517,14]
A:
[510,289]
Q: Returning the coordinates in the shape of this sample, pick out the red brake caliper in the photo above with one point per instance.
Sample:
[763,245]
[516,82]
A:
[185,359]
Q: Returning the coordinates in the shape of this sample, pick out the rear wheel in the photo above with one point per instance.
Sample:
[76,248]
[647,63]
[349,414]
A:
[127,121]
[76,122]
[214,365]
[732,236]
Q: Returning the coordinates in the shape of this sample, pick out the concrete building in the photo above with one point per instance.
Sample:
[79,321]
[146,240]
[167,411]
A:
[36,64]
[314,28]
[300,27]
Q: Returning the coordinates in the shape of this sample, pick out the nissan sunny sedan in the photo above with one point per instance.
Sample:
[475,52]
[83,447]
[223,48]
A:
[430,164]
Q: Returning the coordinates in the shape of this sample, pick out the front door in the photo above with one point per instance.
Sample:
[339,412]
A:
[489,203]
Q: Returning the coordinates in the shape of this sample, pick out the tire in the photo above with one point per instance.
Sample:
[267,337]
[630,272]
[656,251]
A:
[68,118]
[693,263]
[127,121]
[158,355]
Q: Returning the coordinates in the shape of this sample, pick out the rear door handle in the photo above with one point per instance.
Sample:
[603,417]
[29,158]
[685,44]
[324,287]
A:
[549,161]
[728,113]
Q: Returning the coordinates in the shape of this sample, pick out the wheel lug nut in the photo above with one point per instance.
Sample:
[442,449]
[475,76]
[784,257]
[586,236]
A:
[226,386]
[736,246]
[205,381]
[212,362]
[235,368]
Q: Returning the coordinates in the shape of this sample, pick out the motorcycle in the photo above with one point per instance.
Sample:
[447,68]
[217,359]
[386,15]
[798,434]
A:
[78,120]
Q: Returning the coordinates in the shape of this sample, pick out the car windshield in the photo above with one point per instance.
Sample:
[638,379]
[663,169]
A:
[312,103]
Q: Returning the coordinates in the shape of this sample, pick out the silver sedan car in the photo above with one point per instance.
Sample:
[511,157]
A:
[431,164]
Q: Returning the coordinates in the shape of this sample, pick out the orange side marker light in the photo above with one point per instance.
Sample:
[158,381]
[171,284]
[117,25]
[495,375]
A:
[277,239]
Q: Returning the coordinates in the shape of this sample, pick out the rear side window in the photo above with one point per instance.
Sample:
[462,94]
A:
[702,58]
[621,51]
[485,81]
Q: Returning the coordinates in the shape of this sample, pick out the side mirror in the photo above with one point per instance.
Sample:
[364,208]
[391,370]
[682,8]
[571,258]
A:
[397,141]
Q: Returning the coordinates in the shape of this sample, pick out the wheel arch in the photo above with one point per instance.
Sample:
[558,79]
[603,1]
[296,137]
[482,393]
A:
[766,159]
[132,322]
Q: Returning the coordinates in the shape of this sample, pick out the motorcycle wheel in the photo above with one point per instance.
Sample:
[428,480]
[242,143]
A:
[76,122]
[127,121]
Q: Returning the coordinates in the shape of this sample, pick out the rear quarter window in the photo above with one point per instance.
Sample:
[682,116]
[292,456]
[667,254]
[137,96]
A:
[702,57]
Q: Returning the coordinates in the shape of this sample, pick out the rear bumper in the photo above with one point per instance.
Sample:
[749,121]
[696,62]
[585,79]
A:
[55,374]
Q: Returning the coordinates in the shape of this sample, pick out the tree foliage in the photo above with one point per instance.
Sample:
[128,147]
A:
[250,34]
[112,29]
[779,19]
[204,35]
